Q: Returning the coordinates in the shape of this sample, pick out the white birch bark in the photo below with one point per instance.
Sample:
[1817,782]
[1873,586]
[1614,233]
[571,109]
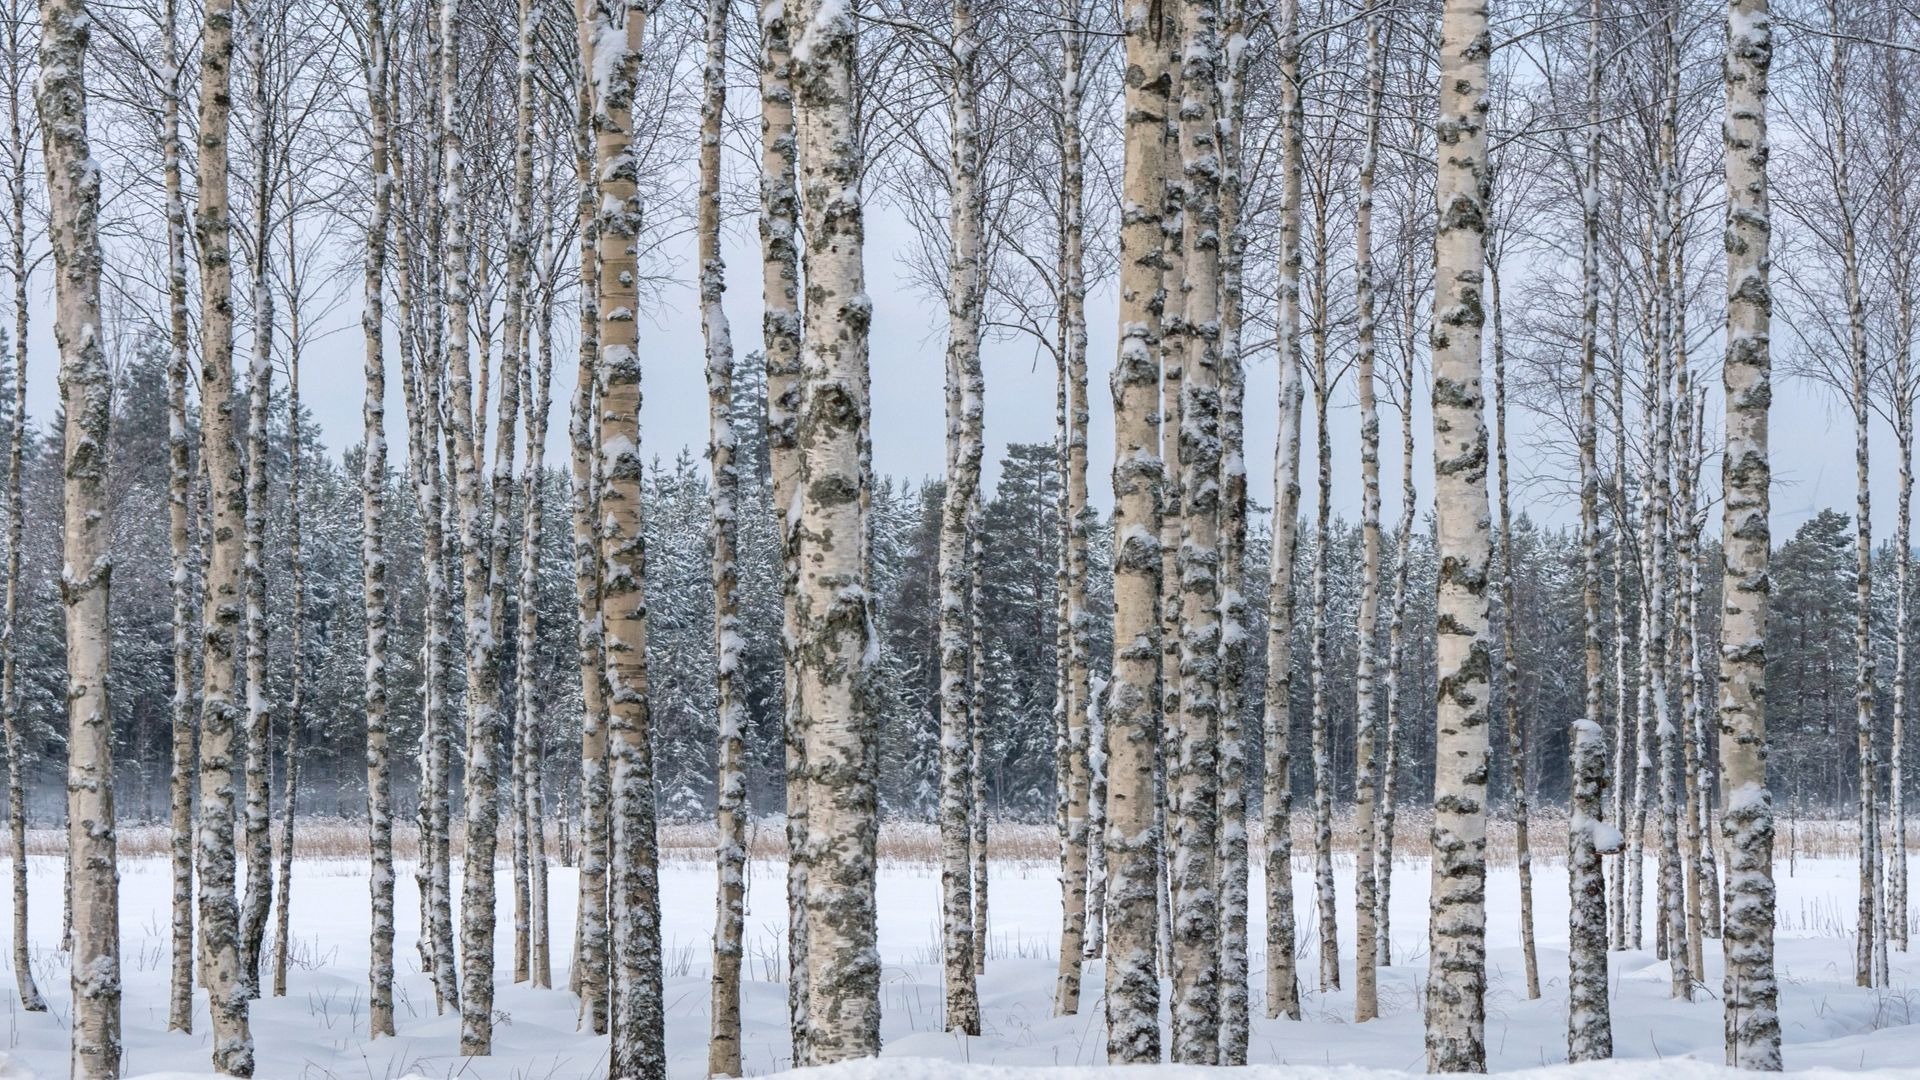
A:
[1456,988]
[835,618]
[373,513]
[1366,948]
[1751,995]
[73,198]
[1283,987]
[296,637]
[730,785]
[1132,843]
[223,611]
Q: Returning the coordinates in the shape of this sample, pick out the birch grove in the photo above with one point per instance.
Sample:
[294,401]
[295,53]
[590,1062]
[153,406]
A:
[776,646]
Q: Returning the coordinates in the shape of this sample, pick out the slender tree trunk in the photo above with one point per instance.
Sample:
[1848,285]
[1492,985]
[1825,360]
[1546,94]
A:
[373,514]
[1751,995]
[639,1051]
[257,905]
[1132,844]
[977,723]
[1509,643]
[1080,914]
[841,750]
[959,595]
[1283,985]
[1235,870]
[179,517]
[1324,377]
[1195,776]
[730,785]
[1366,949]
[1589,837]
[1456,991]
[73,198]
[537,395]
[1627,874]
[30,998]
[296,638]
[592,970]
[1397,620]
[226,570]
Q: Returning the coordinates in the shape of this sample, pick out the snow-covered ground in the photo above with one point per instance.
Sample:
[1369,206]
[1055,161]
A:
[319,1029]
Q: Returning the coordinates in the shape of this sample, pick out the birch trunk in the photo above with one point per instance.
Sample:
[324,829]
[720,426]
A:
[1366,994]
[592,972]
[959,594]
[1751,995]
[1589,838]
[296,640]
[1509,617]
[1283,984]
[835,618]
[73,197]
[1397,621]
[1079,917]
[977,723]
[226,556]
[1456,991]
[1195,777]
[1132,843]
[373,515]
[730,860]
[537,395]
[1318,316]
[11,724]
[638,1022]
[1235,871]
[179,540]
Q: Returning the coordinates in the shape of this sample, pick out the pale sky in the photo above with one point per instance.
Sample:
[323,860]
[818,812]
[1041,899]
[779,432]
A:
[1812,433]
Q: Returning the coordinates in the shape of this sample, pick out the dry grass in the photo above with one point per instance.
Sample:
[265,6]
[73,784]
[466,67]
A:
[919,842]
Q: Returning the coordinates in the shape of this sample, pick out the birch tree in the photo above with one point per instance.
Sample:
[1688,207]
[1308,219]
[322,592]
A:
[1751,995]
[730,860]
[1132,843]
[73,190]
[1366,999]
[226,556]
[1456,992]
[834,611]
[14,62]
[1283,990]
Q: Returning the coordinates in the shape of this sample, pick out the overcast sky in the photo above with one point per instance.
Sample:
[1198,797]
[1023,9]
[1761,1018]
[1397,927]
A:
[1812,436]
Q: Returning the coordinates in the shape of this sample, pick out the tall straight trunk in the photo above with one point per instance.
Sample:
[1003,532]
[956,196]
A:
[536,393]
[296,643]
[1673,926]
[226,556]
[1516,722]
[977,722]
[1235,871]
[1589,837]
[373,516]
[1626,878]
[1397,620]
[1132,844]
[1751,995]
[179,540]
[1903,573]
[780,331]
[639,1016]
[959,597]
[1366,948]
[1195,775]
[1283,984]
[257,904]
[10,721]
[1857,357]
[835,617]
[480,553]
[1077,912]
[592,972]
[1096,819]
[1686,645]
[730,785]
[73,199]
[1647,729]
[1324,377]
[1456,992]
[515,387]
